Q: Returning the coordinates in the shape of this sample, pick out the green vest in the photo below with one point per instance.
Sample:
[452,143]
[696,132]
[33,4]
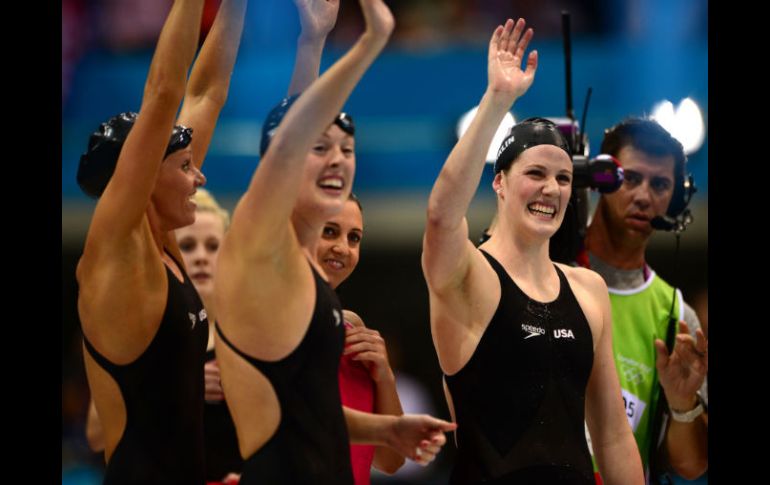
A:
[639,316]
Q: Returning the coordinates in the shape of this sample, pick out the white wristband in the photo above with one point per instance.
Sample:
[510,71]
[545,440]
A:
[688,416]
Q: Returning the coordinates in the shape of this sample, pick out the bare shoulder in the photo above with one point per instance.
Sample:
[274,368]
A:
[585,278]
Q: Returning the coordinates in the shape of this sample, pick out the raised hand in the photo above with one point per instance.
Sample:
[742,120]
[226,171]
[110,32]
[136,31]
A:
[506,53]
[379,19]
[317,17]
[419,437]
[681,374]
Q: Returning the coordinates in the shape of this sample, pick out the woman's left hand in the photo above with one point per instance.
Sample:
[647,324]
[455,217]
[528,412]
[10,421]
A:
[370,348]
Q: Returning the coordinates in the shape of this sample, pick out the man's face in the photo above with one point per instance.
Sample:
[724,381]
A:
[646,192]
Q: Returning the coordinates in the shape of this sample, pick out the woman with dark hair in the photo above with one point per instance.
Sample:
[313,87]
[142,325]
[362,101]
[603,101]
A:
[280,332]
[367,382]
[524,343]
[144,326]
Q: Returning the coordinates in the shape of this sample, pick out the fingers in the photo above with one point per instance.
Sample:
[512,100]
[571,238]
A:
[431,446]
[212,382]
[363,347]
[508,30]
[357,336]
[691,355]
[441,425]
[662,355]
[701,343]
[494,42]
[354,336]
[362,331]
[531,64]
[213,391]
[353,318]
[375,357]
[521,47]
[427,450]
[513,39]
[505,35]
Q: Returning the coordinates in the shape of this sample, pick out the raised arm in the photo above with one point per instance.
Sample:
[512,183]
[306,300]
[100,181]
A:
[317,18]
[209,81]
[274,183]
[446,247]
[611,437]
[122,206]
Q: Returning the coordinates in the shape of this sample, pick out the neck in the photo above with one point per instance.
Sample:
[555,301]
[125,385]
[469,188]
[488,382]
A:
[614,247]
[522,256]
[308,233]
[161,236]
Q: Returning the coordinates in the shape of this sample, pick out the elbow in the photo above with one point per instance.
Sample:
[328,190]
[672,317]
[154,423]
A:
[215,97]
[163,90]
[436,216]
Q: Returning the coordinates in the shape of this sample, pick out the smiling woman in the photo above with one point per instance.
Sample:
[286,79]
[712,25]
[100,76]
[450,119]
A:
[367,382]
[144,325]
[279,330]
[505,312]
[199,245]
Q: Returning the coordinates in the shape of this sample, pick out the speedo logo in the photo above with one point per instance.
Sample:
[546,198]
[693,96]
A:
[532,330]
[195,319]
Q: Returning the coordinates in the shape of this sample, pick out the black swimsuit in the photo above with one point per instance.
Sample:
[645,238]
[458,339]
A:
[519,401]
[311,444]
[163,393]
[220,439]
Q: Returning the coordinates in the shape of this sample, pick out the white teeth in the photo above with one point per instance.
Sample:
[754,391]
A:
[334,263]
[334,183]
[544,209]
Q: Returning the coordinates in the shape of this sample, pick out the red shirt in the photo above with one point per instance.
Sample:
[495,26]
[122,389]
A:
[357,392]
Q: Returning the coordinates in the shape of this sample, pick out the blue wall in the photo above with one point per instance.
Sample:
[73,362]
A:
[407,105]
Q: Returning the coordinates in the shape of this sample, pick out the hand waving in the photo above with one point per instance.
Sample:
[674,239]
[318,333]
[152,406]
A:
[681,374]
[506,53]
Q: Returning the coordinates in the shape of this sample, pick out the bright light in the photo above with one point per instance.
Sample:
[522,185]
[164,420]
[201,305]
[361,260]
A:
[497,140]
[685,123]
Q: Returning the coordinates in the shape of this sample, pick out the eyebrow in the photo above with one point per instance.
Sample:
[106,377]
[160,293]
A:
[543,167]
[653,177]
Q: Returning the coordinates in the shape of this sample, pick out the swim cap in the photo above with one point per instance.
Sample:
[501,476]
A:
[527,134]
[98,163]
[274,118]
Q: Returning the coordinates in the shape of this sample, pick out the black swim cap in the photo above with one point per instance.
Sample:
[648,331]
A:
[98,163]
[527,134]
[274,118]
